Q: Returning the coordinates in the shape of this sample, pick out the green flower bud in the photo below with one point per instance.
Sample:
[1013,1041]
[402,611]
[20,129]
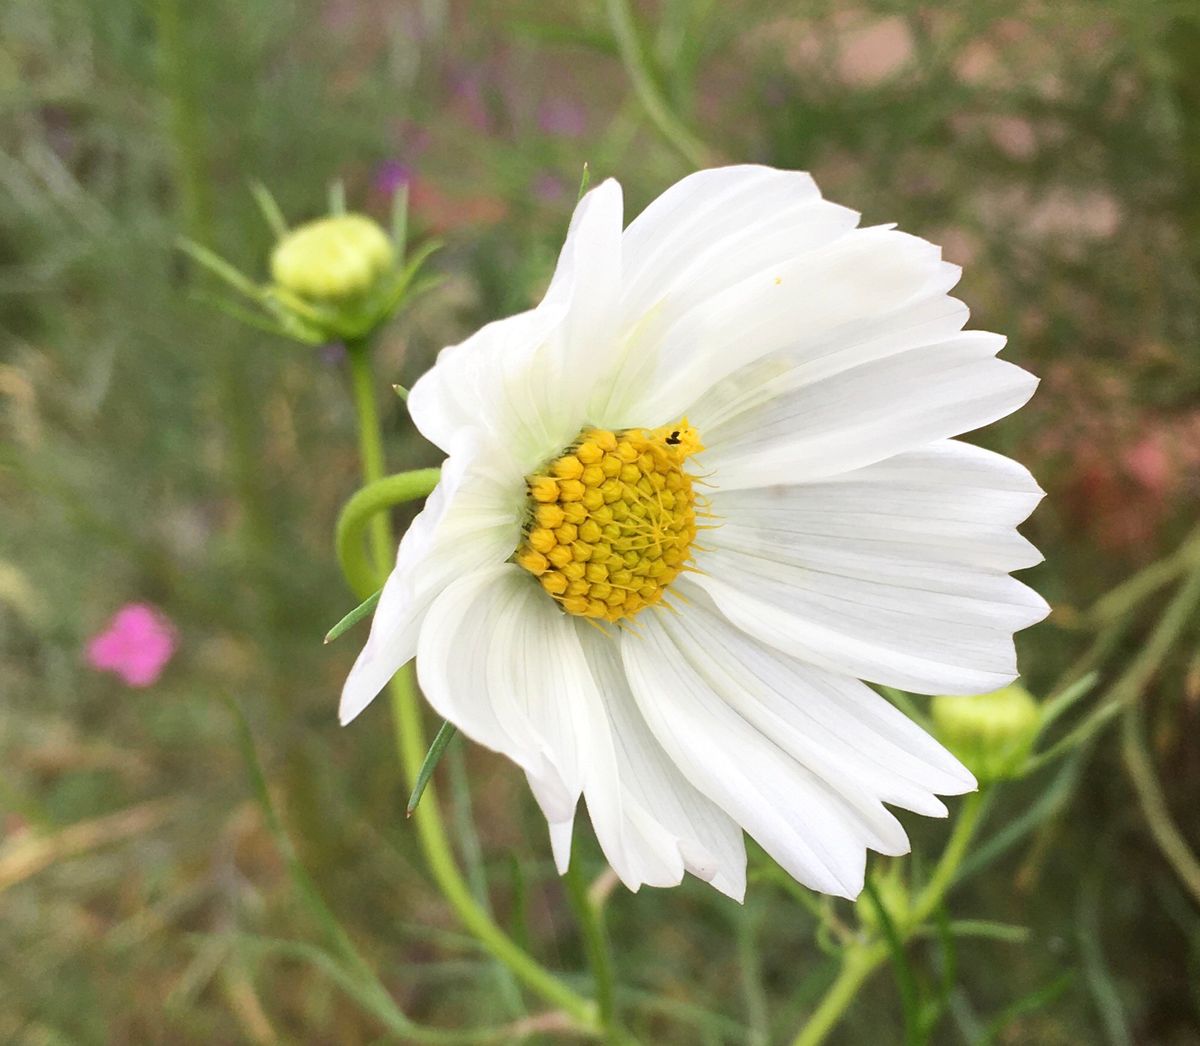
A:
[332,259]
[991,733]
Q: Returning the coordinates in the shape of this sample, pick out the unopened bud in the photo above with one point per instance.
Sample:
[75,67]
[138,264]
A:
[332,259]
[992,733]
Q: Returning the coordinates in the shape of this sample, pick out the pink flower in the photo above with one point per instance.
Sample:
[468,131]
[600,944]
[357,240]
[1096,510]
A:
[136,645]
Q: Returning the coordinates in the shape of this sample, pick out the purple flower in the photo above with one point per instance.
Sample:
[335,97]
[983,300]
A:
[391,175]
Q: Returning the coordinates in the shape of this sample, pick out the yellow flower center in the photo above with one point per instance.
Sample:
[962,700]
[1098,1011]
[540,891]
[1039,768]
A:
[611,522]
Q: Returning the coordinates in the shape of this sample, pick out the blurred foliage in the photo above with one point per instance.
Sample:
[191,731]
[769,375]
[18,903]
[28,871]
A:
[153,450]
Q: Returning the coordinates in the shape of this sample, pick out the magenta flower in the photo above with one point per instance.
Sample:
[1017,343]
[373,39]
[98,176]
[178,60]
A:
[136,645]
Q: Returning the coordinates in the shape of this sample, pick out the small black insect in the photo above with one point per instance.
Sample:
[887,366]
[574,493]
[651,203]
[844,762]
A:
[673,439]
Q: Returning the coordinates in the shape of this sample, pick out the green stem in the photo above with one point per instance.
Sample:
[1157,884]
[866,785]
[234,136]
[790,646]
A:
[620,18]
[1136,758]
[361,511]
[370,444]
[406,709]
[862,958]
[595,942]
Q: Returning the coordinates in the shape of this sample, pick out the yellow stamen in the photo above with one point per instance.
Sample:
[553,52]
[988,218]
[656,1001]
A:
[612,521]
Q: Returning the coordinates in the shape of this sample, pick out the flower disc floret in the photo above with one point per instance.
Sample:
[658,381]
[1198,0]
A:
[612,520]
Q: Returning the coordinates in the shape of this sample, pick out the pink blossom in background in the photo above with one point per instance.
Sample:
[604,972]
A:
[136,645]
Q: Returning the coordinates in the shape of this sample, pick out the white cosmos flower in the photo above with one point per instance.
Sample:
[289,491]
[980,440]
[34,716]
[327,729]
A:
[823,369]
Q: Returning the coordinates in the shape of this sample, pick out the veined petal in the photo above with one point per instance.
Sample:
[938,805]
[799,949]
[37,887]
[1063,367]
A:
[694,704]
[895,573]
[525,380]
[869,412]
[507,671]
[665,824]
[470,520]
[782,307]
[835,725]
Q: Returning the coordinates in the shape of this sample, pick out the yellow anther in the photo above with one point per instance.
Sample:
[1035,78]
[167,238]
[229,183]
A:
[612,520]
[533,561]
[543,488]
[549,516]
[569,467]
[569,490]
[554,583]
[589,452]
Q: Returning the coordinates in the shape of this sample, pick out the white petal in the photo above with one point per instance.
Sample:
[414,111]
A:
[927,318]
[785,306]
[716,227]
[525,381]
[470,520]
[835,725]
[701,708]
[896,573]
[500,661]
[862,415]
[668,826]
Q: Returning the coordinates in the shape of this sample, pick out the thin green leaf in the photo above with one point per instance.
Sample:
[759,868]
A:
[949,974]
[584,179]
[1059,704]
[1031,1003]
[404,279]
[352,985]
[238,312]
[354,617]
[1093,724]
[1045,807]
[220,268]
[910,1000]
[270,209]
[989,930]
[400,222]
[1095,969]
[436,750]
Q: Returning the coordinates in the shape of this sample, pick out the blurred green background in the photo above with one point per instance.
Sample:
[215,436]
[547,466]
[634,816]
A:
[153,450]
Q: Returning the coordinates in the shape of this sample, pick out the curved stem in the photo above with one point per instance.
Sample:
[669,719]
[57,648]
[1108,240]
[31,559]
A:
[366,508]
[688,146]
[379,493]
[862,958]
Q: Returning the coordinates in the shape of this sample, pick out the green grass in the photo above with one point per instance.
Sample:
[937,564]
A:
[152,449]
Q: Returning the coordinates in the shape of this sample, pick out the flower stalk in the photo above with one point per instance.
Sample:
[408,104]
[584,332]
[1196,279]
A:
[864,956]
[367,509]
